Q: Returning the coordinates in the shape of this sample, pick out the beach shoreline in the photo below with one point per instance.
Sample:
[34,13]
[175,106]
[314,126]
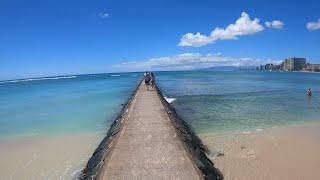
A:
[60,156]
[286,152]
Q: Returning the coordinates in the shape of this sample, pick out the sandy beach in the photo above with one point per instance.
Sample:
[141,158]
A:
[46,157]
[290,152]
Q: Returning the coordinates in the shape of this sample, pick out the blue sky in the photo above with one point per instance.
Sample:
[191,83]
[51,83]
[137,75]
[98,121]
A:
[58,37]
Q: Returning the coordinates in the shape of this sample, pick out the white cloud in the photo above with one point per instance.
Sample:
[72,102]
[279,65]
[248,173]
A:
[313,25]
[243,26]
[103,15]
[274,24]
[189,61]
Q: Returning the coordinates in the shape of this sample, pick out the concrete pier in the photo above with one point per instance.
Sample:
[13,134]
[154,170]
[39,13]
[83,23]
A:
[148,146]
[146,143]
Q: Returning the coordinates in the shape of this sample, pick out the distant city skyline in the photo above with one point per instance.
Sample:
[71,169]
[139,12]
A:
[49,38]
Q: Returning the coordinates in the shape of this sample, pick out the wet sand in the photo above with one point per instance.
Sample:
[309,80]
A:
[290,152]
[46,157]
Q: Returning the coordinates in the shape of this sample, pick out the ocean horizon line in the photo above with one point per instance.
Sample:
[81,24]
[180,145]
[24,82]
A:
[138,71]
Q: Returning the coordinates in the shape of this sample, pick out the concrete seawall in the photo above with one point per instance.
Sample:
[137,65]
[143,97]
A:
[149,141]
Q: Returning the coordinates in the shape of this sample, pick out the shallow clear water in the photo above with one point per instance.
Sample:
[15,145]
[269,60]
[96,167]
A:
[221,101]
[81,103]
[49,127]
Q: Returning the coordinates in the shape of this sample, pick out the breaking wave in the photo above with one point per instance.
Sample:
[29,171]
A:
[169,100]
[38,79]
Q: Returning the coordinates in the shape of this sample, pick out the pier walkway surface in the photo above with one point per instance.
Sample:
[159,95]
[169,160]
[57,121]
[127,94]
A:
[148,146]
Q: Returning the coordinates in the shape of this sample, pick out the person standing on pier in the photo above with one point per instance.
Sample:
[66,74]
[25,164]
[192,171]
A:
[147,80]
[153,80]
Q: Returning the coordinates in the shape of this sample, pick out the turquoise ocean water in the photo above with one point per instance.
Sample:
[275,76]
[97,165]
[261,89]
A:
[232,101]
[211,101]
[50,126]
[68,104]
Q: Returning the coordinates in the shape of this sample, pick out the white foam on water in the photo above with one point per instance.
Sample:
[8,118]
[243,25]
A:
[134,75]
[169,100]
[258,130]
[38,79]
[115,75]
[246,132]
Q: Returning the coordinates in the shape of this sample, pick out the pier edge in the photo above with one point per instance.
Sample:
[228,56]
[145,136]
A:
[192,142]
[97,160]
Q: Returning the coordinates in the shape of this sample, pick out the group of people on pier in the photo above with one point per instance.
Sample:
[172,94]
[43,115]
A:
[149,80]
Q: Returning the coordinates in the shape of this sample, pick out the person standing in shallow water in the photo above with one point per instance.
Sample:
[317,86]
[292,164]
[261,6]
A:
[309,92]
